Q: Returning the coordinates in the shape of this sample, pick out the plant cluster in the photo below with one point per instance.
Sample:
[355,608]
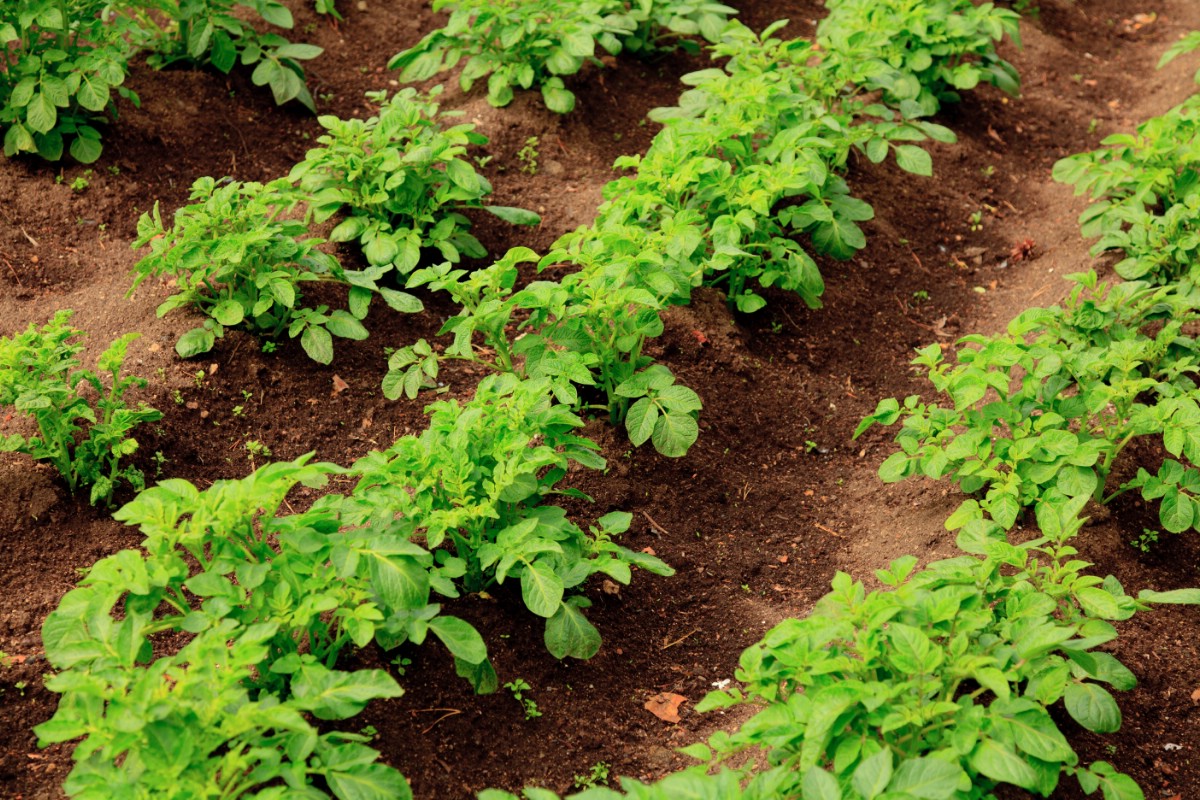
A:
[63,64]
[937,688]
[84,423]
[530,44]
[67,60]
[941,686]
[933,49]
[752,155]
[401,179]
[475,481]
[269,601]
[213,33]
[241,251]
[1041,413]
[236,256]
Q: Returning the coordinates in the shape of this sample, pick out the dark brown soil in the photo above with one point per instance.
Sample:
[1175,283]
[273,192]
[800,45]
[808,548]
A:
[773,499]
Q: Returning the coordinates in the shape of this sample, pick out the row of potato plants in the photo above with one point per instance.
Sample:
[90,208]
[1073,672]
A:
[66,61]
[753,156]
[941,686]
[772,126]
[291,591]
[264,602]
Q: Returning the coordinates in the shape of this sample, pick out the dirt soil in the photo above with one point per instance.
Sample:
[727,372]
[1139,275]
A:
[770,503]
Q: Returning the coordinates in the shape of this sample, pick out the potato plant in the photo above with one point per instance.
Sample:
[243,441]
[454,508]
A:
[237,256]
[187,725]
[64,67]
[586,332]
[1145,195]
[937,688]
[950,697]
[533,44]
[289,593]
[472,487]
[401,179]
[215,33]
[83,419]
[932,49]
[1040,414]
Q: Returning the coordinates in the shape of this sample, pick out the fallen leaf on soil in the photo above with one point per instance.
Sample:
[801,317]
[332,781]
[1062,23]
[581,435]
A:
[665,706]
[339,386]
[608,587]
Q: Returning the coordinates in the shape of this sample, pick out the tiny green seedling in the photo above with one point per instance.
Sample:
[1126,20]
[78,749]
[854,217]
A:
[256,450]
[596,776]
[528,156]
[518,689]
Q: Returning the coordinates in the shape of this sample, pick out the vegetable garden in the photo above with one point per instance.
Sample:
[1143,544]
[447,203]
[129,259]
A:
[656,399]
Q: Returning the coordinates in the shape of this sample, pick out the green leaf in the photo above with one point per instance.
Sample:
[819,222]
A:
[317,342]
[329,694]
[460,638]
[1092,707]
[41,113]
[820,785]
[481,676]
[674,434]
[640,421]
[927,779]
[916,160]
[1177,512]
[228,313]
[403,302]
[999,763]
[195,342]
[514,216]
[541,589]
[85,149]
[1190,597]
[871,777]
[568,633]
[369,782]
[558,99]
[1099,603]
[346,326]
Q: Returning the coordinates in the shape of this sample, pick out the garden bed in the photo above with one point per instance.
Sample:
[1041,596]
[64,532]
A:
[773,499]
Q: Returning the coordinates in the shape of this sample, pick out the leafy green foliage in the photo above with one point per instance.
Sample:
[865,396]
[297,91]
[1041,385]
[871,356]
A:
[772,127]
[63,65]
[289,592]
[694,784]
[941,686]
[932,49]
[1145,193]
[212,33]
[476,481]
[535,43]
[235,255]
[1040,414]
[587,332]
[401,178]
[187,725]
[84,425]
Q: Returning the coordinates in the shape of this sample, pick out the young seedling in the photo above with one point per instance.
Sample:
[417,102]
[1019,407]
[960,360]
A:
[528,705]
